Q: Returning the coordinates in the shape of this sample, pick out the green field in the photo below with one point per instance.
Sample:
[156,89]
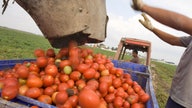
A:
[16,44]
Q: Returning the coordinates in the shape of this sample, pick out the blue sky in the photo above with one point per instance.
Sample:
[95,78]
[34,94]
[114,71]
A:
[123,22]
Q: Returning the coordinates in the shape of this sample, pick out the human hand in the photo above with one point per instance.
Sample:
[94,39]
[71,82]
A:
[137,4]
[146,22]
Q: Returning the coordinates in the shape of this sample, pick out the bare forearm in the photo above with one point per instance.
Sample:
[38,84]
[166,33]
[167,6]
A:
[169,18]
[168,38]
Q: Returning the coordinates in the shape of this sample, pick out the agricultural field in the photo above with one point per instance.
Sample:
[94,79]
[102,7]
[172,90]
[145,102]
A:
[16,44]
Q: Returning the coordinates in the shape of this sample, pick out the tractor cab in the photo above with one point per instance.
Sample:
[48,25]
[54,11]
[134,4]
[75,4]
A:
[131,44]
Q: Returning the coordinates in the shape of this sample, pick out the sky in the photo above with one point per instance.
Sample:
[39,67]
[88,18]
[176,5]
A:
[123,22]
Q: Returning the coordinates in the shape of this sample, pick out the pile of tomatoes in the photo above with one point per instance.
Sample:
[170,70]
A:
[74,77]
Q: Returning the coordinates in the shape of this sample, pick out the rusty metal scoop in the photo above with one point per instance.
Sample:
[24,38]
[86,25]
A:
[60,21]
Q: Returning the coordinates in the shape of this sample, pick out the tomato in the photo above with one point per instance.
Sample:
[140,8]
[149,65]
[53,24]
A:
[34,67]
[103,87]
[63,86]
[88,98]
[51,70]
[51,60]
[53,97]
[95,66]
[80,84]
[33,92]
[84,53]
[130,91]
[75,75]
[70,83]
[125,86]
[45,99]
[48,80]
[23,89]
[63,52]
[126,104]
[10,81]
[111,89]
[119,72]
[126,75]
[89,73]
[137,105]
[63,77]
[133,98]
[64,63]
[105,72]
[41,61]
[48,91]
[137,88]
[9,92]
[144,98]
[120,92]
[93,84]
[97,75]
[73,100]
[57,81]
[50,52]
[61,97]
[107,79]
[129,81]
[39,52]
[118,102]
[117,82]
[101,67]
[82,67]
[74,57]
[22,71]
[34,81]
[110,97]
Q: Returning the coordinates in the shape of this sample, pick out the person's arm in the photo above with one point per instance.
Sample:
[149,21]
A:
[166,17]
[166,37]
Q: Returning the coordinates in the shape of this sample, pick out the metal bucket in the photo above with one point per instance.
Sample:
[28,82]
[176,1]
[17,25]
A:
[60,21]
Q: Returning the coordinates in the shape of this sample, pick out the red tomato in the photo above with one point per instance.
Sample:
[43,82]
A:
[70,83]
[88,98]
[73,100]
[133,98]
[51,70]
[117,82]
[89,73]
[118,102]
[110,98]
[126,104]
[23,71]
[119,72]
[48,91]
[39,52]
[93,84]
[33,92]
[63,77]
[50,52]
[34,67]
[82,67]
[34,81]
[137,105]
[64,63]
[45,99]
[63,87]
[144,98]
[61,97]
[107,79]
[48,80]
[103,87]
[41,61]
[75,75]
